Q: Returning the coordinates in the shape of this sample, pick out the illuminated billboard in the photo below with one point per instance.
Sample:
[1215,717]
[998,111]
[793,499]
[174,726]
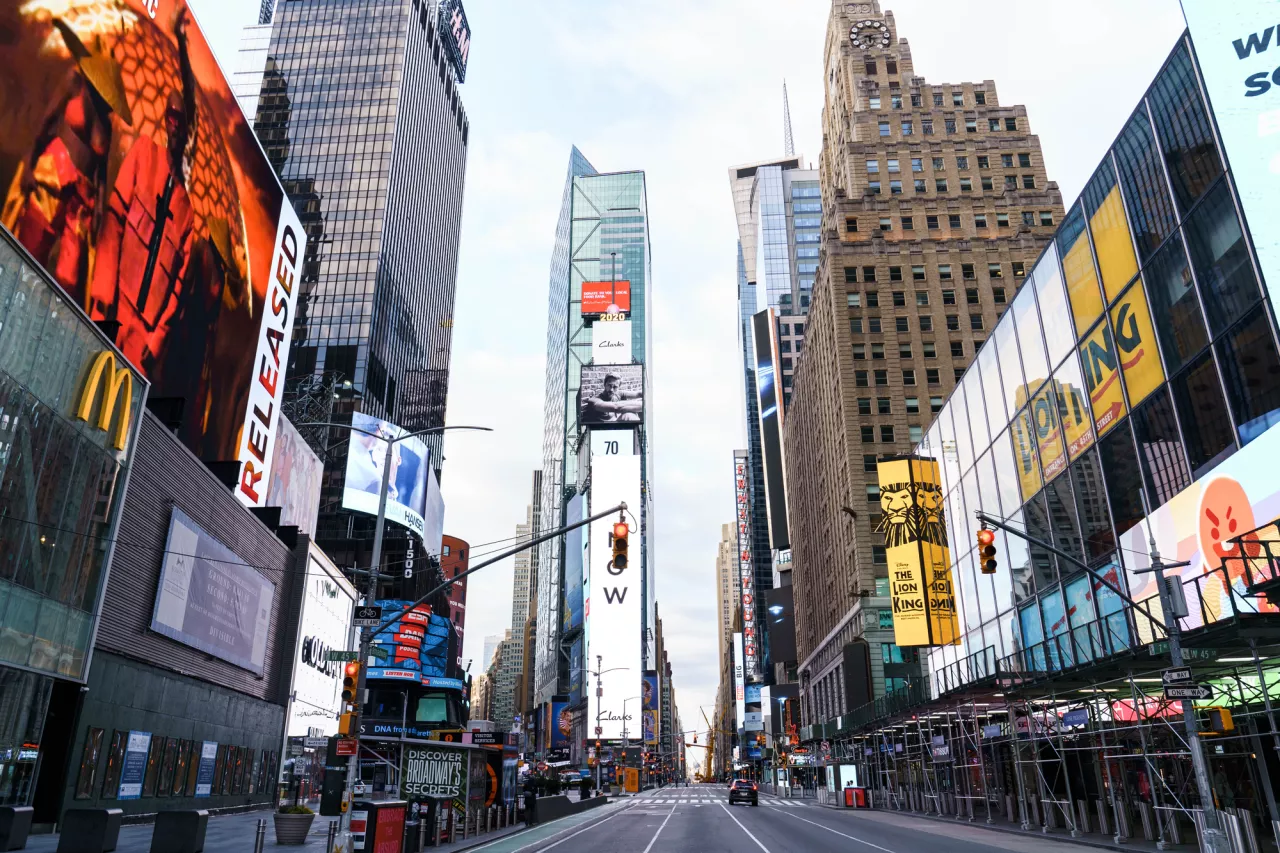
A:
[455,32]
[131,175]
[611,394]
[574,560]
[407,490]
[769,398]
[611,342]
[915,535]
[606,297]
[748,655]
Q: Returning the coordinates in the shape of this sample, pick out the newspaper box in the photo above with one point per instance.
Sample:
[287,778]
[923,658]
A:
[378,827]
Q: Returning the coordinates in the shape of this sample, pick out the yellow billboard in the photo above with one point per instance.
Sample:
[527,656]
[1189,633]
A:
[1102,375]
[1075,419]
[1048,426]
[1113,243]
[1082,284]
[1136,343]
[915,531]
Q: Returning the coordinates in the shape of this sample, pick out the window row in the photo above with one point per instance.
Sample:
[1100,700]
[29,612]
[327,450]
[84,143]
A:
[914,434]
[950,126]
[884,405]
[928,349]
[893,165]
[968,272]
[933,376]
[933,222]
[940,185]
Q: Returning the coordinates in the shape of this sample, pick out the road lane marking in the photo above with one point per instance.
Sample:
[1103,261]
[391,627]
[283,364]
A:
[654,840]
[561,841]
[744,829]
[837,832]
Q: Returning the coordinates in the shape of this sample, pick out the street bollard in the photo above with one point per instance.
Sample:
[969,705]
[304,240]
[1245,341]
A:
[453,826]
[488,815]
[333,833]
[260,839]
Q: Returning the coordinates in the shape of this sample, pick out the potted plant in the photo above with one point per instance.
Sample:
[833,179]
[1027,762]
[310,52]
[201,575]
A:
[292,824]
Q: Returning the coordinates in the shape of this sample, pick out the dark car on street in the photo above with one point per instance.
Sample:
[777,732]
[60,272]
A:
[744,790]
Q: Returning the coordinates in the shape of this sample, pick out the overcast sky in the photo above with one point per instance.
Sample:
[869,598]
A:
[684,89]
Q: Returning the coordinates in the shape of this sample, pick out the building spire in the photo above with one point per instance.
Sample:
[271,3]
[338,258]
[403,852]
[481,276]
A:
[786,123]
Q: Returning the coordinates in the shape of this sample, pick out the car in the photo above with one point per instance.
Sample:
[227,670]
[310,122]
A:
[745,790]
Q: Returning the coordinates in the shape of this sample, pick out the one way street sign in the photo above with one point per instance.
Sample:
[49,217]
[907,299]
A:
[1176,675]
[1188,691]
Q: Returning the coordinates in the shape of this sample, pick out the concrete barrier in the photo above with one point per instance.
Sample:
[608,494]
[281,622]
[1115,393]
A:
[90,830]
[15,826]
[554,808]
[180,832]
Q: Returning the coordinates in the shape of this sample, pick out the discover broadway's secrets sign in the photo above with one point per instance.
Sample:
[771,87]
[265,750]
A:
[433,772]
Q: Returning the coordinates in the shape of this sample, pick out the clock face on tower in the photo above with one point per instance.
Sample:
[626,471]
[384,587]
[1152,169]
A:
[870,34]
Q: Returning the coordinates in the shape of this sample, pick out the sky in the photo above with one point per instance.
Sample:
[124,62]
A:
[684,89]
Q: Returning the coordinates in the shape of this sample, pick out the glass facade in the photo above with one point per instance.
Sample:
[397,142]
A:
[1072,430]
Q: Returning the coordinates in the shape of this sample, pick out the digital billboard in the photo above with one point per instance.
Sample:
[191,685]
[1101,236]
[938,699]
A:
[915,535]
[324,625]
[769,399]
[748,655]
[780,615]
[649,690]
[561,725]
[132,176]
[606,297]
[1232,41]
[739,685]
[211,599]
[611,394]
[296,477]
[574,557]
[611,342]
[455,32]
[410,473]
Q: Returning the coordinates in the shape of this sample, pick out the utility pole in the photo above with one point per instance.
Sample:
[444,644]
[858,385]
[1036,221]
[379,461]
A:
[599,702]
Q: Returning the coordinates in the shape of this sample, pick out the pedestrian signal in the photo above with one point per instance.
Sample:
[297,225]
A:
[987,551]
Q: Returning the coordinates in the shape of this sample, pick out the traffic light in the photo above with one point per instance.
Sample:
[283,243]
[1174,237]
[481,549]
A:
[347,725]
[1220,720]
[350,681]
[987,551]
[620,532]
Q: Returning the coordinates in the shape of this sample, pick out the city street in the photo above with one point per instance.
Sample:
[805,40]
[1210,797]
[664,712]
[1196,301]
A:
[674,820]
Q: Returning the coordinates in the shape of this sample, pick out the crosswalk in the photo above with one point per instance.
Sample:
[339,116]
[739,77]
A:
[702,798]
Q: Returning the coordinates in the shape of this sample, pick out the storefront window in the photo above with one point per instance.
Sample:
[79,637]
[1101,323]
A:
[154,760]
[1078,271]
[1250,368]
[1040,527]
[1030,342]
[1186,135]
[193,767]
[1136,344]
[1164,460]
[1112,241]
[1059,337]
[1175,308]
[1203,413]
[89,758]
[180,768]
[115,757]
[170,760]
[1150,208]
[1221,259]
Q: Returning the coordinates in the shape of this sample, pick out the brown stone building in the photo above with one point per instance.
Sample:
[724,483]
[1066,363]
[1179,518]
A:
[935,204]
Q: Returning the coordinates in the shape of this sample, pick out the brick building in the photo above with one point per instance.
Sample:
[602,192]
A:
[935,204]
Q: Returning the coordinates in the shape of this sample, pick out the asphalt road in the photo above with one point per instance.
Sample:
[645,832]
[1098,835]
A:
[699,819]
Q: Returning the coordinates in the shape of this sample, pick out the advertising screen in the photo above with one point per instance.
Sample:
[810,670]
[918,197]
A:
[574,555]
[769,397]
[296,476]
[650,727]
[561,725]
[1232,41]
[649,690]
[210,599]
[415,647]
[612,394]
[131,175]
[433,772]
[606,297]
[611,342]
[410,474]
[325,625]
[739,685]
[456,34]
[746,572]
[433,515]
[576,671]
[915,531]
[781,618]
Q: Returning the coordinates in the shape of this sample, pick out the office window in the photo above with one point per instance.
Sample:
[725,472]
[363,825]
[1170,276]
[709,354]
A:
[884,125]
[917,272]
[995,271]
[873,299]
[917,164]
[979,97]
[895,273]
[1024,160]
[935,404]
[1221,260]
[1019,269]
[916,101]
[1002,220]
[932,221]
[975,322]
[1028,182]
[993,125]
[908,377]
[850,224]
[966,185]
[987,183]
[874,102]
[899,299]
[932,376]
[944,272]
[879,555]
[904,350]
[921,186]
[893,165]
[873,167]
[1046,218]
[1175,309]
[873,324]
[940,184]
[895,100]
[957,349]
[1249,367]
[868,435]
[926,323]
[997,295]
[854,300]
[907,224]
[868,274]
[950,125]
[877,352]
[957,99]
[1145,192]
[860,378]
[1203,413]
[870,487]
[953,221]
[971,295]
[869,466]
[907,129]
[864,405]
[953,323]
[971,125]
[886,224]
[1185,132]
[855,325]
[871,68]
[922,297]
[882,377]
[948,297]
[930,349]
[895,187]
[886,433]
[884,406]
[1011,124]
[1028,219]
[874,186]
[966,271]
[913,405]
[902,324]
[937,99]
[850,275]
[1011,182]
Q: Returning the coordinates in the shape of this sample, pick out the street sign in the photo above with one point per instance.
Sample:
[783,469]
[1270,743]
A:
[1162,648]
[315,742]
[1188,691]
[1177,675]
[368,616]
[346,746]
[336,656]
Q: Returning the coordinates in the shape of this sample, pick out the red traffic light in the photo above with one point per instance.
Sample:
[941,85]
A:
[351,670]
[987,551]
[620,530]
[986,537]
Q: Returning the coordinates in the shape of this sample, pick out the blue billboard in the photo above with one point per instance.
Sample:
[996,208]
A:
[415,647]
[575,543]
[576,671]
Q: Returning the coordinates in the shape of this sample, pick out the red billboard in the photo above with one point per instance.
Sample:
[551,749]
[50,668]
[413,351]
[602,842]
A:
[131,175]
[598,297]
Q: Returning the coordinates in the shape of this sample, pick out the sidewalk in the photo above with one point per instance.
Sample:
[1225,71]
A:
[236,833]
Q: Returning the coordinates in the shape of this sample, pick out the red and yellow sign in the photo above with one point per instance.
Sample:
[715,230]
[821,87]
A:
[599,296]
[1136,342]
[1101,364]
[119,384]
[915,529]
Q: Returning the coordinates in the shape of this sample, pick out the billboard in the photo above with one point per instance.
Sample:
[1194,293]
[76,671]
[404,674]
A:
[649,726]
[131,175]
[915,535]
[455,32]
[748,656]
[611,342]
[561,725]
[649,690]
[574,558]
[324,625]
[769,399]
[408,484]
[210,599]
[606,297]
[780,616]
[612,394]
[739,684]
[432,512]
[1232,41]
[296,476]
[415,647]
[614,596]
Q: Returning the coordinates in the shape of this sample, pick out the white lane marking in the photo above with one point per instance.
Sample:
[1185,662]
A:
[743,828]
[843,835]
[654,840]
[562,840]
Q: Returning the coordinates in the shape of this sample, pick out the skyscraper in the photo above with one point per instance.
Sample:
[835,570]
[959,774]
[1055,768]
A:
[935,203]
[727,588]
[360,114]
